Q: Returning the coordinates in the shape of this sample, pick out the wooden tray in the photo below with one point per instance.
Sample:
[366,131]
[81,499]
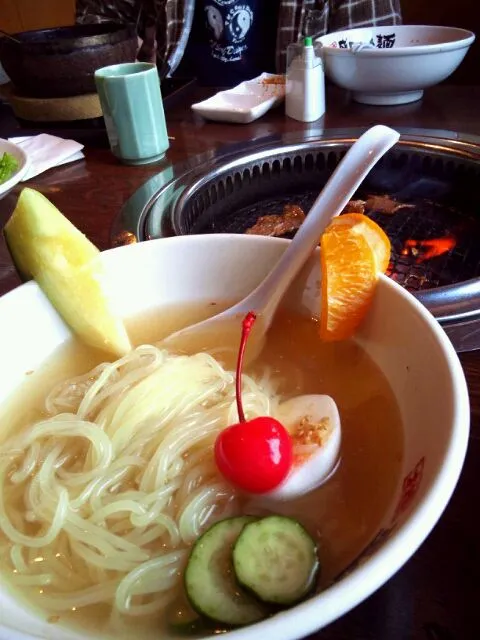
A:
[84,107]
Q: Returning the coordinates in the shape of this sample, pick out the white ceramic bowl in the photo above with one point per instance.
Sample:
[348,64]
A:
[393,64]
[399,334]
[22,159]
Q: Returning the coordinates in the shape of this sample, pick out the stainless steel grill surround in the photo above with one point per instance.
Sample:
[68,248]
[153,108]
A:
[168,203]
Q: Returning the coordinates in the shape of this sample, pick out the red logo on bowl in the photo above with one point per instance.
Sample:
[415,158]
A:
[410,486]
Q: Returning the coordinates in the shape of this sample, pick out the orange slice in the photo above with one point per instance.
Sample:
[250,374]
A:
[373,234]
[354,250]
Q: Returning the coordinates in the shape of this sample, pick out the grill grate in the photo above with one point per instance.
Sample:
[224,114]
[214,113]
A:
[427,221]
[441,188]
[438,172]
[431,221]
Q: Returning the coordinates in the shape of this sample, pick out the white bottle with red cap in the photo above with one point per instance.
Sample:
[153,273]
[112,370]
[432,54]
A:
[305,83]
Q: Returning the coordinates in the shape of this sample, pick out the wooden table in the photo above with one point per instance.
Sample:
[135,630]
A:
[436,596]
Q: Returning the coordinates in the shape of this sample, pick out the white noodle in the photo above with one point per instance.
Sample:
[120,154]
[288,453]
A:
[100,502]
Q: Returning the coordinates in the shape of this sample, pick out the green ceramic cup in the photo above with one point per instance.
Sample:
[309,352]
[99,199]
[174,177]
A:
[133,111]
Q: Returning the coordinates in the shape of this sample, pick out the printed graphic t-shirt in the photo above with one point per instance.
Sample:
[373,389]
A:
[232,40]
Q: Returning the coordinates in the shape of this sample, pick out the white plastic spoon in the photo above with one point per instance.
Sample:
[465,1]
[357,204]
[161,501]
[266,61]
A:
[224,328]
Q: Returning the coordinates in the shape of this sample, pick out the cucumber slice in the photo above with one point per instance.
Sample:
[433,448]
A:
[182,620]
[276,559]
[209,579]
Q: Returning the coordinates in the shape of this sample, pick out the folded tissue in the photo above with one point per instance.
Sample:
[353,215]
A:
[45,151]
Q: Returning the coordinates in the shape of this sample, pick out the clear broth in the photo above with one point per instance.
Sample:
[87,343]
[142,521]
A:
[344,514]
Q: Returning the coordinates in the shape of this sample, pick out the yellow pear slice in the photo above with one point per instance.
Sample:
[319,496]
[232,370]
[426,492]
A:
[47,247]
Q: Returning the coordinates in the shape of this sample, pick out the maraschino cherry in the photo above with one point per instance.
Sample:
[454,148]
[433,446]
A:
[254,455]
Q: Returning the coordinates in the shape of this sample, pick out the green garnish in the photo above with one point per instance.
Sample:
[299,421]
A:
[8,166]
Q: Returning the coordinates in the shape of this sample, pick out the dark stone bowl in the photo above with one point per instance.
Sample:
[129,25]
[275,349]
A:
[60,62]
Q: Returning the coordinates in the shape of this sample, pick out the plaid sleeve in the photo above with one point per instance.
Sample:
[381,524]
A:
[331,15]
[163,25]
[349,14]
[122,11]
[136,12]
[290,24]
[178,18]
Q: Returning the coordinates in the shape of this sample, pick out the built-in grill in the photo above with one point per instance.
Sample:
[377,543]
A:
[431,180]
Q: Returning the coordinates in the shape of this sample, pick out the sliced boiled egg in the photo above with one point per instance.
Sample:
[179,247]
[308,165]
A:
[313,422]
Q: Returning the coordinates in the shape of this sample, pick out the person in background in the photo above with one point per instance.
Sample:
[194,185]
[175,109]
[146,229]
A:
[223,42]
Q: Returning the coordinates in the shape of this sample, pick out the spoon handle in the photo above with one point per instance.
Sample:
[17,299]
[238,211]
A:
[339,189]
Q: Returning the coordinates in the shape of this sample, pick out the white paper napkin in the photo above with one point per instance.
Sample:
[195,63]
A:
[46,151]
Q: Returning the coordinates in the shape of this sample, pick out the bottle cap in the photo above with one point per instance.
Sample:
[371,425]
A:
[308,42]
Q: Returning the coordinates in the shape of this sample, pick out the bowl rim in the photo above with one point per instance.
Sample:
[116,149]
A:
[14,149]
[44,41]
[466,39]
[366,578]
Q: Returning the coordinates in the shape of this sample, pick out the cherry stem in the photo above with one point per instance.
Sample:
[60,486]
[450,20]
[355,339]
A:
[247,325]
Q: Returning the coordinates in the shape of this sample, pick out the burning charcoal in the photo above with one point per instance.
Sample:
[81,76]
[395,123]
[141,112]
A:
[427,249]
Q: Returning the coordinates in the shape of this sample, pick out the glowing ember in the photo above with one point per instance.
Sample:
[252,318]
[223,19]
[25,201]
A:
[427,249]
[390,272]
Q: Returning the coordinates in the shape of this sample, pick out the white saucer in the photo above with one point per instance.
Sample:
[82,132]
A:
[245,102]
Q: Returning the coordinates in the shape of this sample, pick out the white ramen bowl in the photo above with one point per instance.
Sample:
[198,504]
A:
[399,334]
[393,64]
